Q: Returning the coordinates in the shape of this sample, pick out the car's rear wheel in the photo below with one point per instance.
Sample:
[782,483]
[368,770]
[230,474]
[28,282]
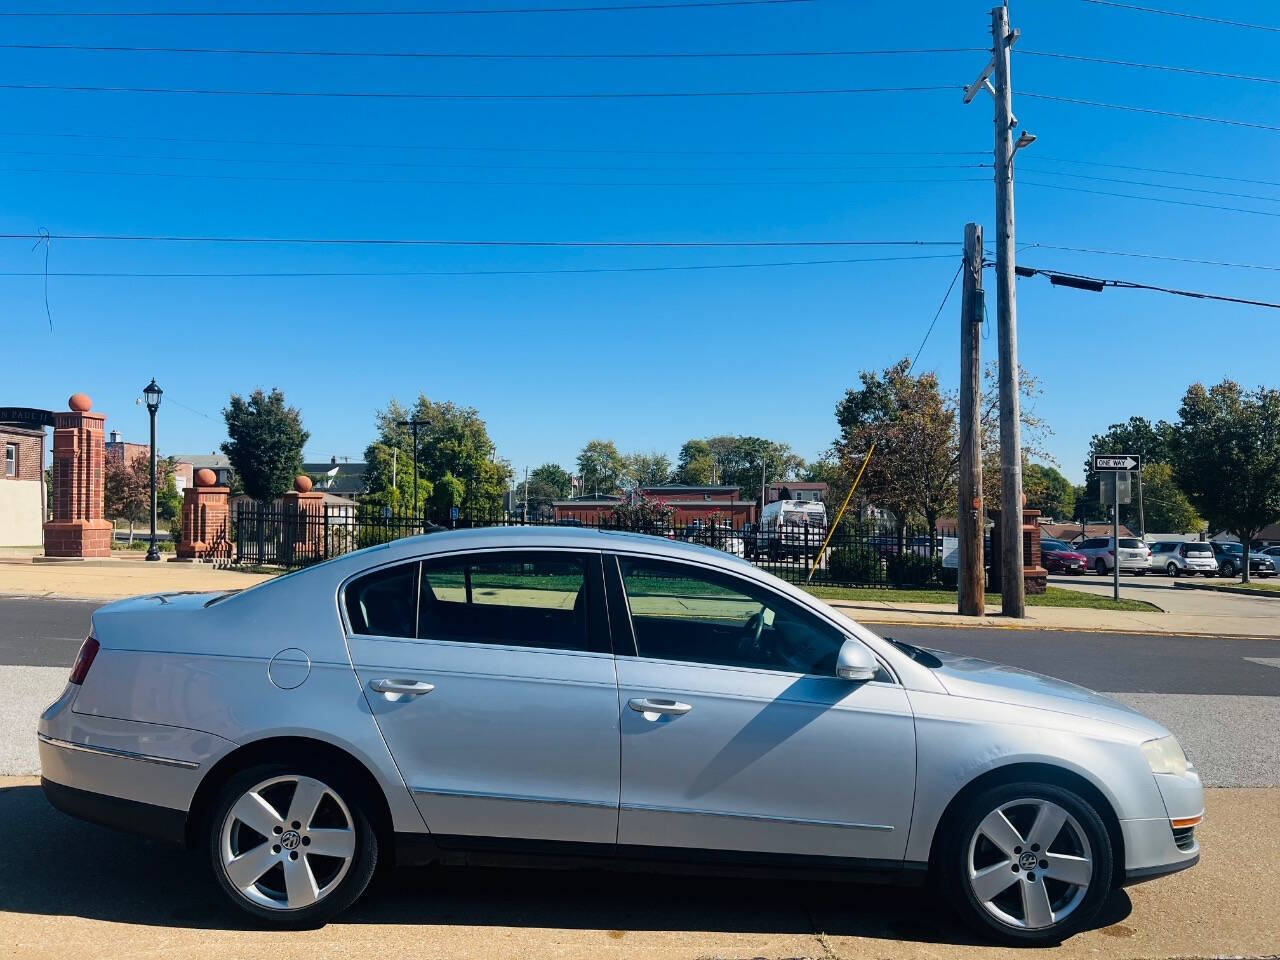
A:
[1028,863]
[291,845]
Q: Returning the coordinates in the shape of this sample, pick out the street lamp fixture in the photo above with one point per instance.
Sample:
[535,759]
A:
[152,393]
[1024,140]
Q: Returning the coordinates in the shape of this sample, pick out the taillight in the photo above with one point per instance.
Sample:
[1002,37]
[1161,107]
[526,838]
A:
[84,660]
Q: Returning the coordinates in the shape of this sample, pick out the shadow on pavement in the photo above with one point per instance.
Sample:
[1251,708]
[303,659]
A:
[53,865]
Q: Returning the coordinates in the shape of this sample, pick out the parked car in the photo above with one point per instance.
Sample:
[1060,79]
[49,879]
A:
[1134,555]
[603,698]
[1176,559]
[1231,563]
[1060,557]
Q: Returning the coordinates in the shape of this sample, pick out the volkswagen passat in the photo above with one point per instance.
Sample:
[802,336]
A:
[605,698]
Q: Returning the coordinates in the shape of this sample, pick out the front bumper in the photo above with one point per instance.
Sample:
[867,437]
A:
[1152,847]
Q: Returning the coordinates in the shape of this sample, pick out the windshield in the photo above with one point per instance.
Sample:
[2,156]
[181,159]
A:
[1131,543]
[1057,545]
[794,518]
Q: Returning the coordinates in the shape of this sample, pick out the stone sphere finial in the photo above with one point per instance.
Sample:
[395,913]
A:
[79,403]
[206,477]
[302,484]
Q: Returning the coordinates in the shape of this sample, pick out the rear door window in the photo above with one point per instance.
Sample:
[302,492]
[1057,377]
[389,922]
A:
[383,603]
[525,599]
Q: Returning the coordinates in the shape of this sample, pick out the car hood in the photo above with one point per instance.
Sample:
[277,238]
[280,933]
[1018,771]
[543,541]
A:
[997,683]
[1066,554]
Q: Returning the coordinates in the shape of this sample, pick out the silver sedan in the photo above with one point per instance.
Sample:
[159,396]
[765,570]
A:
[601,698]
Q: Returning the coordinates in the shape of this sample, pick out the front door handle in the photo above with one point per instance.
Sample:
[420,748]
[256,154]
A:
[405,688]
[668,708]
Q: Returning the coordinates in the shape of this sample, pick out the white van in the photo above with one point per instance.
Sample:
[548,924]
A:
[791,528]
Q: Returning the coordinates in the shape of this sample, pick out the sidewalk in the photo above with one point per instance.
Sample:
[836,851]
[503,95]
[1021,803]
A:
[131,577]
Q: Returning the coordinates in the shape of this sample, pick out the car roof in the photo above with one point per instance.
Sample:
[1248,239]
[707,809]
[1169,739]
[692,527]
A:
[539,536]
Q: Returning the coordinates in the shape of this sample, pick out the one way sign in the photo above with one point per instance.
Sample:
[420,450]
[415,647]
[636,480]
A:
[1117,461]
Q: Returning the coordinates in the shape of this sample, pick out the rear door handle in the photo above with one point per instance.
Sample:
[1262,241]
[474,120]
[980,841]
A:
[407,688]
[668,708]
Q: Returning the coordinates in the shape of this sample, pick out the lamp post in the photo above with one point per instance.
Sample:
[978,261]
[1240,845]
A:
[152,394]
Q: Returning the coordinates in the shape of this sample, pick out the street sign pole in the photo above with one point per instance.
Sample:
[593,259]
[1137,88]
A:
[1115,538]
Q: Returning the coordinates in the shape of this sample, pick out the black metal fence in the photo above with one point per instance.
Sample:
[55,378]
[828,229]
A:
[858,554]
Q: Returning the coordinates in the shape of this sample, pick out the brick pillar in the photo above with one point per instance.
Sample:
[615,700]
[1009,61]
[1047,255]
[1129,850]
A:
[1034,576]
[206,519]
[304,521]
[78,528]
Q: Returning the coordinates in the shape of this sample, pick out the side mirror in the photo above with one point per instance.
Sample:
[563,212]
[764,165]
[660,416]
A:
[855,662]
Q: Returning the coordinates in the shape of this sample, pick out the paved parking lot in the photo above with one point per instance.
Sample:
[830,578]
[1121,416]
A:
[72,889]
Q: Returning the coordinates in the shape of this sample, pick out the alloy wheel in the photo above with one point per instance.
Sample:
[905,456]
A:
[287,842]
[1029,864]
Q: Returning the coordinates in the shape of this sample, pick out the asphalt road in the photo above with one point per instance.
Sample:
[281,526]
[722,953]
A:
[38,632]
[1220,696]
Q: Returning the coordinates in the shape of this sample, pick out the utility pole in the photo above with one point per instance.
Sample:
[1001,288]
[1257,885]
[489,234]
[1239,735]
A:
[1012,586]
[971,580]
[526,494]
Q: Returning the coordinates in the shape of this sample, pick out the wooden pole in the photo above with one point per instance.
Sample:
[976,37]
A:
[970,515]
[1012,586]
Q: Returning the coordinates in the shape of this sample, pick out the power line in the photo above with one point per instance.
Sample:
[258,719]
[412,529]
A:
[498,149]
[1134,196]
[416,164]
[391,95]
[419,242]
[402,181]
[1184,16]
[1151,110]
[443,12]
[467,273]
[1194,71]
[1096,284]
[934,322]
[1152,256]
[434,55]
[1150,183]
[1164,170]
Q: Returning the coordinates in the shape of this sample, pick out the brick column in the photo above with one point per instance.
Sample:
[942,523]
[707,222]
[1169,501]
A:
[1034,575]
[78,528]
[206,519]
[303,510]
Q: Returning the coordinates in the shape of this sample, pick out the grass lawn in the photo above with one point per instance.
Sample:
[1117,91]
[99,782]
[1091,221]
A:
[1053,597]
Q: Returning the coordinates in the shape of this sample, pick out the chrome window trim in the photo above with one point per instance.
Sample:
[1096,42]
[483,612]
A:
[763,817]
[512,797]
[118,753]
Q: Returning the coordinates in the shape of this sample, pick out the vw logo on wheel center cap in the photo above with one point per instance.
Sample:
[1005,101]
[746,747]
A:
[290,840]
[1027,861]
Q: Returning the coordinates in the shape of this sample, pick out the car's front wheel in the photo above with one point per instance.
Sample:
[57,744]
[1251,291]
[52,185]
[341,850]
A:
[291,845]
[1171,569]
[1100,565]
[1028,863]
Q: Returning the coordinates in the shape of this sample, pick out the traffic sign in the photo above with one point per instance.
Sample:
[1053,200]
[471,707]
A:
[1114,487]
[1116,461]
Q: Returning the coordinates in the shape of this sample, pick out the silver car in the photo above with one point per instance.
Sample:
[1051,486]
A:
[1134,555]
[599,698]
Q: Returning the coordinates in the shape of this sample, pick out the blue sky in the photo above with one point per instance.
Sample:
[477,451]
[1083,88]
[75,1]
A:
[648,359]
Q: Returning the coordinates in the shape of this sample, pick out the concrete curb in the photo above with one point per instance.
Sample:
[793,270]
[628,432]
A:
[1238,591]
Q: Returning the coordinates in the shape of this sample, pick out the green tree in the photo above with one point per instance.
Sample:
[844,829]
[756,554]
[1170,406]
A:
[736,461]
[1166,508]
[1153,442]
[126,490]
[448,492]
[912,471]
[1048,491]
[601,467]
[1226,456]
[452,441]
[696,465]
[556,479]
[646,469]
[264,445]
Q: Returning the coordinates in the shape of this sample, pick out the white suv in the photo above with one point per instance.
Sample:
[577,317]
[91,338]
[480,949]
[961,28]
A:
[1190,558]
[1134,555]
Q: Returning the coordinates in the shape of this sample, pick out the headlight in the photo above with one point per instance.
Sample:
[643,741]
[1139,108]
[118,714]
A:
[1165,756]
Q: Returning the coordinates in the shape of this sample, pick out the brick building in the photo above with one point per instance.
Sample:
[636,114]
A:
[22,487]
[689,503]
[120,451]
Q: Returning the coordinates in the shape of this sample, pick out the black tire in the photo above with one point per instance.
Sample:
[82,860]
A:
[953,863]
[1172,570]
[345,891]
[1100,566]
[1228,569]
